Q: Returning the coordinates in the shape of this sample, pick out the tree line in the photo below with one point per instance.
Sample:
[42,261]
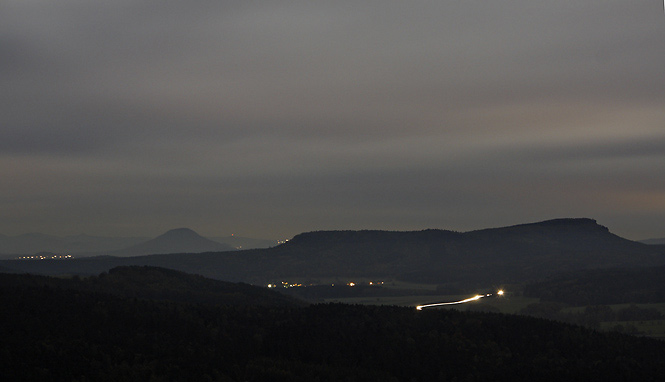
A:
[52,333]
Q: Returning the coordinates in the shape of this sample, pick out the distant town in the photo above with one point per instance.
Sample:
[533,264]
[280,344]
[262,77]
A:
[286,284]
[45,257]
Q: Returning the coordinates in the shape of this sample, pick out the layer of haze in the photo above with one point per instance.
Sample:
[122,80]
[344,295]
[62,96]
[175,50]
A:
[269,118]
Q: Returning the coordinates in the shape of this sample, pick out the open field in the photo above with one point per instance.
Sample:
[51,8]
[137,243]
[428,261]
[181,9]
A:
[391,300]
[396,284]
[406,294]
[649,328]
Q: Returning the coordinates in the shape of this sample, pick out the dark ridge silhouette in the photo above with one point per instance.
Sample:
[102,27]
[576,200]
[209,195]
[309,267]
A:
[656,241]
[509,254]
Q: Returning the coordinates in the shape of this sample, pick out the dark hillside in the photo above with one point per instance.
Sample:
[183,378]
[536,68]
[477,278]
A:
[55,334]
[492,255]
[532,251]
[352,253]
[159,284]
[560,236]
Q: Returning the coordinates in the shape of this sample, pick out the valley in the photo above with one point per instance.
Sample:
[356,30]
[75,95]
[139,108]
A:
[568,283]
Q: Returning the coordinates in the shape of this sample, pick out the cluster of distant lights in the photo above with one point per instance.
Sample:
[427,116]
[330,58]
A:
[352,284]
[41,257]
[285,284]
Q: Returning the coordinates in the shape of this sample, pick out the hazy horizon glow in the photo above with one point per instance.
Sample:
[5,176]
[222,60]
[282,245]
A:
[266,120]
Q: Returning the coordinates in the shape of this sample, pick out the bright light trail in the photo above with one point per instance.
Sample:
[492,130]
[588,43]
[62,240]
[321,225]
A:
[474,298]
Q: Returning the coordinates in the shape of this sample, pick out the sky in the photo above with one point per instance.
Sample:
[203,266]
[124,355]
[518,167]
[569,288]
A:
[271,118]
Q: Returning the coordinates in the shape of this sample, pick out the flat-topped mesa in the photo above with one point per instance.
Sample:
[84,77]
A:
[351,237]
[570,222]
[334,238]
[568,242]
[574,223]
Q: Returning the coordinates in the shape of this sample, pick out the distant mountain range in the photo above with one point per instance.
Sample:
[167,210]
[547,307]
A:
[175,241]
[484,257]
[31,243]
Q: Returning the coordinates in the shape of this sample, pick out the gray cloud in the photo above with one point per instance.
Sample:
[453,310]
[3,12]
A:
[269,119]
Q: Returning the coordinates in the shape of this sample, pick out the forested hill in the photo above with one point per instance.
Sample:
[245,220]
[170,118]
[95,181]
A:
[509,254]
[516,252]
[553,237]
[55,334]
[155,283]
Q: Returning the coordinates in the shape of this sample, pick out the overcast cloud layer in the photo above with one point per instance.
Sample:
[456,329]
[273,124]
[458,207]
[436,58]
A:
[269,118]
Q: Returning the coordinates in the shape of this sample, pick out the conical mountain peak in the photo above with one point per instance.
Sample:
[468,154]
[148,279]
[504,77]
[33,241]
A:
[179,240]
[181,233]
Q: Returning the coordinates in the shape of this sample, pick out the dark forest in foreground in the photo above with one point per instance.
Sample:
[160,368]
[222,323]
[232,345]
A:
[69,331]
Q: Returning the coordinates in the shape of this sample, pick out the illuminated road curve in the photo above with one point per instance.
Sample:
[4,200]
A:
[474,298]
